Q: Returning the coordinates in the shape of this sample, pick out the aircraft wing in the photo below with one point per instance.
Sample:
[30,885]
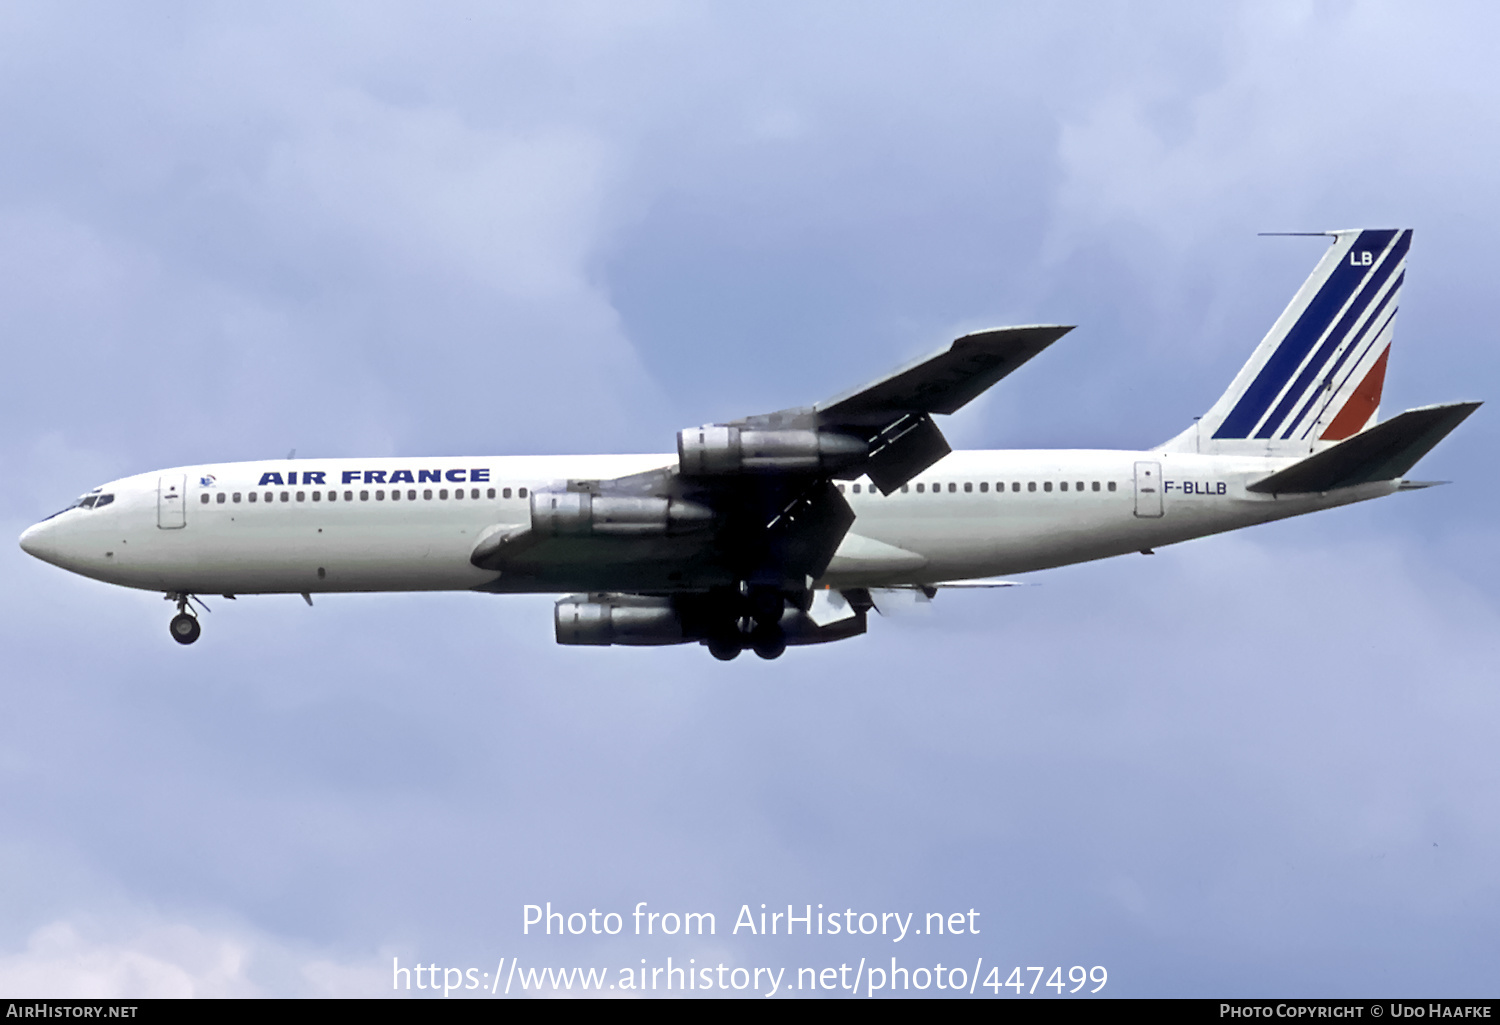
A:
[942,381]
[754,500]
[893,415]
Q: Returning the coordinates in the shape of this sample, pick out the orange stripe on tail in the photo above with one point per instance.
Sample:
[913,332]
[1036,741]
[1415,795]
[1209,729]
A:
[1361,405]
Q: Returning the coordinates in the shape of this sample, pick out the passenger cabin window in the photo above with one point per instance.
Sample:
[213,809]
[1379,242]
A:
[492,493]
[1030,485]
[427,494]
[1064,486]
[1080,486]
[1096,485]
[364,496]
[222,498]
[253,495]
[521,493]
[443,493]
[921,489]
[380,496]
[302,496]
[1047,485]
[968,486]
[952,488]
[204,500]
[984,486]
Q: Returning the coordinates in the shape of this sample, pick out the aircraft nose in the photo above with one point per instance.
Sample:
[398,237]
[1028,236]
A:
[40,540]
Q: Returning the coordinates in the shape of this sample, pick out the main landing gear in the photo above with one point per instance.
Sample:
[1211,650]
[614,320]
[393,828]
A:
[184,626]
[757,628]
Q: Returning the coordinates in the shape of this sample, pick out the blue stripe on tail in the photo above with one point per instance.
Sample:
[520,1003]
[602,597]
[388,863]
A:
[1303,335]
[1314,369]
[1368,336]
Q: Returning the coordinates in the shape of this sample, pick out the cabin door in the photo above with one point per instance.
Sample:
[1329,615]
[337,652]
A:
[1148,490]
[171,502]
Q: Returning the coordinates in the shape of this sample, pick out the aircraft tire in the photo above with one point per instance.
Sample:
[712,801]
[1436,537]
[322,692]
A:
[185,628]
[725,649]
[768,642]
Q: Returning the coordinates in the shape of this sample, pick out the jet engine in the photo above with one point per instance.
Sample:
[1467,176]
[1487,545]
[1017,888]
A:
[643,620]
[576,513]
[618,619]
[714,449]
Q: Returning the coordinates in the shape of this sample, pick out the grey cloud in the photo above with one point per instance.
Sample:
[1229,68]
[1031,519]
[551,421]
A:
[1220,769]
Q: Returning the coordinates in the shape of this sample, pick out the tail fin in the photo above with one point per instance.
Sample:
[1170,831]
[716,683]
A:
[1316,377]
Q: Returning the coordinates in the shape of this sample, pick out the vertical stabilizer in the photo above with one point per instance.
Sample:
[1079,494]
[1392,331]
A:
[1316,377]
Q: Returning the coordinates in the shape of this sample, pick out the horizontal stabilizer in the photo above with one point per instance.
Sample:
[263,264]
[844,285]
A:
[944,381]
[1384,452]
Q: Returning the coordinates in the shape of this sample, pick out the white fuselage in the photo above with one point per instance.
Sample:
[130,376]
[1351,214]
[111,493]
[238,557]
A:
[333,525]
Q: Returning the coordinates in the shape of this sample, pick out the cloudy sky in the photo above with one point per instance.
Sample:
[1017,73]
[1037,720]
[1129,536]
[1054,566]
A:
[1263,764]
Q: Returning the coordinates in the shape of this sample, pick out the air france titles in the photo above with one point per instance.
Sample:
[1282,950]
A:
[479,476]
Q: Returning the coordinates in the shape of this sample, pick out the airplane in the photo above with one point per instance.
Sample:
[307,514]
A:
[787,528]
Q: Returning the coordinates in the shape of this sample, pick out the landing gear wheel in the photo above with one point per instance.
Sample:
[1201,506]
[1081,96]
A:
[185,628]
[725,649]
[768,642]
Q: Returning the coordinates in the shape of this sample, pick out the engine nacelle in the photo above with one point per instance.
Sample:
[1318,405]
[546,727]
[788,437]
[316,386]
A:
[646,620]
[578,513]
[618,619]
[714,449]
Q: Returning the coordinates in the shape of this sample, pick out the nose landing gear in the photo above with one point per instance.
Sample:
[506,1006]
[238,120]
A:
[184,627]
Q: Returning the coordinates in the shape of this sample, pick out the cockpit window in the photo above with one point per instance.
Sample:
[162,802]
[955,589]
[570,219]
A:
[76,503]
[92,500]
